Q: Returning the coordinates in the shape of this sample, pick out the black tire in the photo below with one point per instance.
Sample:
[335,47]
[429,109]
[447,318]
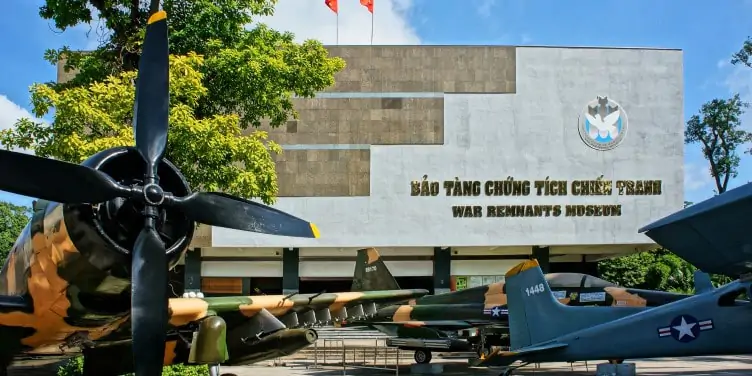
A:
[423,356]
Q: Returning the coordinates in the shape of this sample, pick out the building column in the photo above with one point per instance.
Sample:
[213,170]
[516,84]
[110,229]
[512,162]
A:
[442,270]
[192,275]
[543,256]
[246,289]
[290,270]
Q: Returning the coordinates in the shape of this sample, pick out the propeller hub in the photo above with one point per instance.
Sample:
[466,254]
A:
[153,194]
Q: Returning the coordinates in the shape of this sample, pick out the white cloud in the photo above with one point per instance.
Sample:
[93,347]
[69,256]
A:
[314,20]
[697,177]
[10,113]
[484,9]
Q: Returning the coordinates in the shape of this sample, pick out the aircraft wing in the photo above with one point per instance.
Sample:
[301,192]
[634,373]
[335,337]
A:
[499,358]
[711,234]
[344,304]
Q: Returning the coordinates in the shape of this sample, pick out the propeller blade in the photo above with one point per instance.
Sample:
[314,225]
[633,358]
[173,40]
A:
[219,209]
[149,303]
[54,180]
[153,92]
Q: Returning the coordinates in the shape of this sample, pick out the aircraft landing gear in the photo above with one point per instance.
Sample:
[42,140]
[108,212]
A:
[422,356]
[214,370]
[484,352]
[508,371]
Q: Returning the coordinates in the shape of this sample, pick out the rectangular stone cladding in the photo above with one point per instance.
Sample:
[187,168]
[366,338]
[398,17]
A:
[412,69]
[386,95]
[322,172]
[363,121]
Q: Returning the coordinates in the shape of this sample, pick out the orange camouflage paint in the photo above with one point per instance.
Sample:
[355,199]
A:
[49,249]
[373,255]
[622,298]
[402,313]
[186,310]
[494,295]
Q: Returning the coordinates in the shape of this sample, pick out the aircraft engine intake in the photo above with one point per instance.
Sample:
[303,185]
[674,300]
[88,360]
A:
[119,221]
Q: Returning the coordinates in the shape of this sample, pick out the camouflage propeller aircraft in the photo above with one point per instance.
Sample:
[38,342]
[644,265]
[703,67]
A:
[89,273]
[708,235]
[430,323]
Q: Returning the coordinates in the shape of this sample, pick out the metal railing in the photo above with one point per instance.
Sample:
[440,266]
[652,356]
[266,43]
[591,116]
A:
[365,353]
[360,357]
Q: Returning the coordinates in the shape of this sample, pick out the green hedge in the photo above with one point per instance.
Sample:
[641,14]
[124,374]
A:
[75,367]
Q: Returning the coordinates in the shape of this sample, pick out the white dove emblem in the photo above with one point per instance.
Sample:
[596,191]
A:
[603,127]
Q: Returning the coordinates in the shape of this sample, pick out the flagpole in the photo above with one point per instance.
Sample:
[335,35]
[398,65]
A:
[338,28]
[371,29]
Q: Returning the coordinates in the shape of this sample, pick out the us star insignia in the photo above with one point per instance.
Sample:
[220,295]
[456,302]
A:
[685,328]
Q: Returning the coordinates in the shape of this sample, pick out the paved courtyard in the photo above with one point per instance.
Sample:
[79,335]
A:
[700,366]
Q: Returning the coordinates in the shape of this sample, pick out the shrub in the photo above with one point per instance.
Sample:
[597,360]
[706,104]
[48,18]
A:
[75,367]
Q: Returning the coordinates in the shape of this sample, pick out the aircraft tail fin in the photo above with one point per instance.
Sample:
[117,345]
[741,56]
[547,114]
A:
[702,282]
[371,274]
[536,315]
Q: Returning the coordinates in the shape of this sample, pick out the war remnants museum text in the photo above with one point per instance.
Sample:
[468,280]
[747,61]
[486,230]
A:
[547,187]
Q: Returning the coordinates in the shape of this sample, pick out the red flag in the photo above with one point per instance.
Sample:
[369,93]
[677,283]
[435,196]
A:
[368,4]
[332,4]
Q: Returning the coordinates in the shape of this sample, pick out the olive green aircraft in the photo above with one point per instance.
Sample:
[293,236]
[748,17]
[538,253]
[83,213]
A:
[89,273]
[430,323]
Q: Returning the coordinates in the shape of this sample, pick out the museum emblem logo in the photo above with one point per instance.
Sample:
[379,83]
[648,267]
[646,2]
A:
[603,124]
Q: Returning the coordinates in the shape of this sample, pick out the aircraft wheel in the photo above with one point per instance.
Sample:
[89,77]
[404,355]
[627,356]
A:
[422,356]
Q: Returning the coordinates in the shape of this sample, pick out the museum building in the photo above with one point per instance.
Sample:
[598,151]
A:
[458,162]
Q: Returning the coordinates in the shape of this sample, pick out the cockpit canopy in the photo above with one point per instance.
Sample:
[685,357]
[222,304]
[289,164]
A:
[564,280]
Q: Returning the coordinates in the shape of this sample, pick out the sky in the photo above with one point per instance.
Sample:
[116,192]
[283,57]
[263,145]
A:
[707,33]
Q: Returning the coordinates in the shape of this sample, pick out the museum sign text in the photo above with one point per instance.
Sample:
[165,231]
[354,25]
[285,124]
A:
[547,187]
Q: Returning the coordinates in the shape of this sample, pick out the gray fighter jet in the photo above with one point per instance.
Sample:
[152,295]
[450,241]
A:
[710,235]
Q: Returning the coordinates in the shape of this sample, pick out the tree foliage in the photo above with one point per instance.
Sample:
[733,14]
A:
[744,55]
[75,367]
[211,152]
[655,270]
[13,219]
[249,71]
[225,76]
[717,128]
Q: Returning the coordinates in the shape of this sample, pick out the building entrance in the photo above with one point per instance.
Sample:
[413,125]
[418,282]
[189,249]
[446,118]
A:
[317,285]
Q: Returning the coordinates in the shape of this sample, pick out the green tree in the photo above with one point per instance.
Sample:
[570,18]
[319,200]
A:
[717,128]
[744,55]
[13,219]
[224,77]
[654,270]
[75,367]
[249,71]
[211,152]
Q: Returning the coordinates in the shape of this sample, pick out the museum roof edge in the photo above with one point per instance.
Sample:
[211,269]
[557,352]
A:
[502,46]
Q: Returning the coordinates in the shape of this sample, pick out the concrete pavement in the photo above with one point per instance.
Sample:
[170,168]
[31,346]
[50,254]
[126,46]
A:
[697,366]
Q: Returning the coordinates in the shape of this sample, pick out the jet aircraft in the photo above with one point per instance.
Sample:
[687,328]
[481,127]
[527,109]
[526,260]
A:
[429,323]
[89,273]
[712,322]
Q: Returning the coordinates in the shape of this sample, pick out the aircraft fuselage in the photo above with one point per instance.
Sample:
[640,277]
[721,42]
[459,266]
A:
[70,269]
[713,323]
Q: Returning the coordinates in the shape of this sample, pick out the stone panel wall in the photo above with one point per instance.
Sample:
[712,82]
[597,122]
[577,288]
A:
[371,121]
[443,69]
[324,173]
